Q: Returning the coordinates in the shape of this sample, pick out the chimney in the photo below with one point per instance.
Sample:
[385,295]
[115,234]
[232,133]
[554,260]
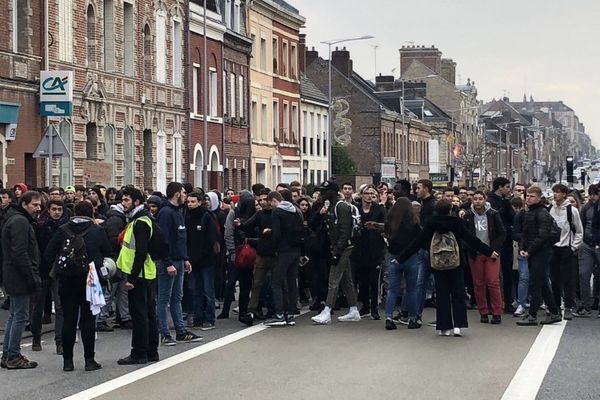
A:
[384,82]
[449,70]
[310,56]
[431,57]
[341,60]
[302,53]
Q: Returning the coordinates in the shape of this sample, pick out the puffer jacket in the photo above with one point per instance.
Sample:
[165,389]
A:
[537,227]
[339,225]
[21,254]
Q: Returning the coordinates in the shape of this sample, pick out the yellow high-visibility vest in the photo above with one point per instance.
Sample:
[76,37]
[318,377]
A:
[127,253]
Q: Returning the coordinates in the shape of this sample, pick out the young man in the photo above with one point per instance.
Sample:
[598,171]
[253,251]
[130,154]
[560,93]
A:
[500,201]
[288,232]
[485,223]
[339,226]
[424,194]
[347,192]
[563,264]
[135,261]
[172,269]
[535,246]
[589,257]
[20,266]
[519,190]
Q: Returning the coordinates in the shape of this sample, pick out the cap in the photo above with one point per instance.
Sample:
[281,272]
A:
[70,189]
[153,200]
[329,185]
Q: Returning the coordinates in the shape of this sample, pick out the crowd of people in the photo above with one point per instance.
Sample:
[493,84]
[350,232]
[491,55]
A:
[100,258]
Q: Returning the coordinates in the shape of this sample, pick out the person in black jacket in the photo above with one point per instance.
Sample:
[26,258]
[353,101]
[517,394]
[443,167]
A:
[499,200]
[536,247]
[21,277]
[485,223]
[449,284]
[425,196]
[266,252]
[72,288]
[203,248]
[318,252]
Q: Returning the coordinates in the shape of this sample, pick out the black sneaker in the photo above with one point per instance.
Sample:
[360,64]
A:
[277,320]
[68,365]
[129,360]
[92,365]
[582,313]
[103,327]
[413,324]
[364,312]
[568,315]
[496,319]
[551,319]
[375,315]
[484,319]
[390,325]
[153,357]
[59,349]
[167,341]
[188,337]
[509,309]
[246,319]
[317,306]
[527,320]
[289,320]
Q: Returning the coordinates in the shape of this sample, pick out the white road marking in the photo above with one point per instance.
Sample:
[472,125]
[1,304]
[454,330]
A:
[530,375]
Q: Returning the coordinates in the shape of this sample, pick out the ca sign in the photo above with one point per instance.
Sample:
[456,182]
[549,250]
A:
[56,93]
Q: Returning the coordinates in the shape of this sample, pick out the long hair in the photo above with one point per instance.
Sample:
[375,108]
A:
[401,213]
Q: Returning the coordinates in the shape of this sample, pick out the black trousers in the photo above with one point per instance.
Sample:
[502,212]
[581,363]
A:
[245,277]
[142,307]
[319,276]
[367,275]
[539,285]
[563,275]
[506,264]
[451,310]
[76,308]
[285,288]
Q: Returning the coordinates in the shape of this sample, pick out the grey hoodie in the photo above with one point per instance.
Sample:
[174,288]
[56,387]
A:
[481,224]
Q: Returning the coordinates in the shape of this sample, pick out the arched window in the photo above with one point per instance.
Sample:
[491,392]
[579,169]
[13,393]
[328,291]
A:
[161,46]
[109,151]
[128,175]
[91,37]
[66,133]
[161,161]
[147,53]
[198,168]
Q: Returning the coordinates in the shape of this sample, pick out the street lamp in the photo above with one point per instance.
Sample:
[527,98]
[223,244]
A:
[329,43]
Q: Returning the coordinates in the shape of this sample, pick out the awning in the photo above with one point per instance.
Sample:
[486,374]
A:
[9,113]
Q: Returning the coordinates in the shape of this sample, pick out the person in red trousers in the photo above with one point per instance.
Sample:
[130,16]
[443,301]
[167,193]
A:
[485,223]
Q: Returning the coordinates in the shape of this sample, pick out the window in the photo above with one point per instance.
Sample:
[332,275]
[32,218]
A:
[195,89]
[303,144]
[213,92]
[236,16]
[275,120]
[286,122]
[319,175]
[109,35]
[285,59]
[91,141]
[65,30]
[254,126]
[20,33]
[224,84]
[263,54]
[261,172]
[242,99]
[161,47]
[147,53]
[232,94]
[325,147]
[304,125]
[228,13]
[311,147]
[263,120]
[66,170]
[177,53]
[318,146]
[275,56]
[129,39]
[295,123]
[312,176]
[161,161]
[294,66]
[128,171]
[109,151]
[177,169]
[91,36]
[254,44]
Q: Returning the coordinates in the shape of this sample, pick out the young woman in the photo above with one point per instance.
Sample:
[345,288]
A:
[401,227]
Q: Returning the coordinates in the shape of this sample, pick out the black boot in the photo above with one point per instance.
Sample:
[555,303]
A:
[68,365]
[224,313]
[91,365]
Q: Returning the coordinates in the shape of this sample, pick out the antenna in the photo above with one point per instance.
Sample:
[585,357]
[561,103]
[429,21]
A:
[375,47]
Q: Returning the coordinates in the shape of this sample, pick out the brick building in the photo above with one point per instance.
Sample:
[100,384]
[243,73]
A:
[20,63]
[129,118]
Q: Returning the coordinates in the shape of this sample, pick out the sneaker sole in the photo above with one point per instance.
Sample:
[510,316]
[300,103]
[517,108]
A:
[190,341]
[349,320]
[168,344]
[276,324]
[321,322]
[208,329]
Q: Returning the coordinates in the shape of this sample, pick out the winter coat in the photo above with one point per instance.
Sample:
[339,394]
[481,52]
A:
[370,245]
[402,238]
[234,236]
[265,245]
[21,254]
[496,231]
[46,228]
[172,226]
[507,214]
[339,226]
[113,225]
[318,240]
[288,226]
[537,227]
[202,236]
[427,209]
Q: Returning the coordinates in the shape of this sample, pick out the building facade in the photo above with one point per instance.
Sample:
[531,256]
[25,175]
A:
[314,107]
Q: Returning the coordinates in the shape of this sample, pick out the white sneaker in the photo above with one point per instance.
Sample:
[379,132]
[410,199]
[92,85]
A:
[445,333]
[323,318]
[519,311]
[352,316]
[236,310]
[457,332]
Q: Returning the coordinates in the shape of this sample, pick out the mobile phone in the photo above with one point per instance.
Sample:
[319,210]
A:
[327,203]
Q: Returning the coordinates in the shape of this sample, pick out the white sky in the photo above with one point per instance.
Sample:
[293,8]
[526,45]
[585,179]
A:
[546,48]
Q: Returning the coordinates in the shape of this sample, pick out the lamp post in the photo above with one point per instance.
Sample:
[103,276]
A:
[329,43]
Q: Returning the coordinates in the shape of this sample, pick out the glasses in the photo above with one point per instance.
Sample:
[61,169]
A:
[519,190]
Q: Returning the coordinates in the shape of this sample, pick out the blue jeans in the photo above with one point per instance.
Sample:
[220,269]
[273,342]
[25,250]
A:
[523,285]
[204,294]
[170,293]
[15,325]
[410,268]
[423,280]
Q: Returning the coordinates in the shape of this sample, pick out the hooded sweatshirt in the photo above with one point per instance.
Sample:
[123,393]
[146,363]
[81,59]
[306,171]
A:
[288,225]
[567,236]
[481,224]
[201,225]
[172,225]
[244,210]
[487,227]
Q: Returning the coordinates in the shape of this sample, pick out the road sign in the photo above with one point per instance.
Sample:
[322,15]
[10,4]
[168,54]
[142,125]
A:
[56,93]
[51,145]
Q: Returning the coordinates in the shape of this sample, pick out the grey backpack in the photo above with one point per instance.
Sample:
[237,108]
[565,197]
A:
[444,251]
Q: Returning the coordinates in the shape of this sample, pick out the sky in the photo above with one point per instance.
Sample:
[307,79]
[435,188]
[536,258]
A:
[547,49]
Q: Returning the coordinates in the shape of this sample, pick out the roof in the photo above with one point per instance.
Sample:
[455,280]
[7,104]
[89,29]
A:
[537,105]
[287,6]
[310,91]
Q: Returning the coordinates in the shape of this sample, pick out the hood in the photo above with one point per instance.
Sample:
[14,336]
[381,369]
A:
[246,204]
[116,209]
[287,206]
[196,212]
[21,186]
[78,224]
[213,201]
[562,206]
[445,223]
[487,207]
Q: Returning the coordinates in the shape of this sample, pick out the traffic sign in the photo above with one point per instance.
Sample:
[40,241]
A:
[51,145]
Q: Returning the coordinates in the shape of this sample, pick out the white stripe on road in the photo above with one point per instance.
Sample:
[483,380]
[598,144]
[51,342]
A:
[164,364]
[530,375]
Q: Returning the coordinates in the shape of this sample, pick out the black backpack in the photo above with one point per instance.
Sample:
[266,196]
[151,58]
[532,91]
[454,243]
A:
[158,248]
[72,259]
